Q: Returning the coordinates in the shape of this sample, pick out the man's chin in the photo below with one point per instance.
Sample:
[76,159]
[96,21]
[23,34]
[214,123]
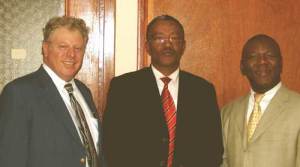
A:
[262,87]
[169,65]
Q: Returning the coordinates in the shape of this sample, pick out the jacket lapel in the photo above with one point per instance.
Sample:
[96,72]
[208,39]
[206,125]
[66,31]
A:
[55,103]
[240,119]
[154,97]
[183,85]
[273,111]
[89,100]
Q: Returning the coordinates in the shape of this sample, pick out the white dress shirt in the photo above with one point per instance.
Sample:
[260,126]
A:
[172,86]
[265,100]
[91,120]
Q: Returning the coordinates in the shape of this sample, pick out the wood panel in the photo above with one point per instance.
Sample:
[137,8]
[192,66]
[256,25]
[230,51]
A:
[216,31]
[142,26]
[98,65]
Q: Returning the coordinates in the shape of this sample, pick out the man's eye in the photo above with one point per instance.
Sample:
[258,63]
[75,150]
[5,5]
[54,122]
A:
[175,38]
[78,49]
[271,55]
[158,38]
[252,55]
[63,46]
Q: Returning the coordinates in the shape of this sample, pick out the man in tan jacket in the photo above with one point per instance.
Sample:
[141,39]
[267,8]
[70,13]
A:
[264,132]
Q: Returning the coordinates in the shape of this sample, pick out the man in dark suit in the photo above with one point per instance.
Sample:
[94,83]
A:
[39,125]
[136,132]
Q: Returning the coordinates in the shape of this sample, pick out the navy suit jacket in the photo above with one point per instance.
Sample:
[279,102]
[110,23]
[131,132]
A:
[135,132]
[36,129]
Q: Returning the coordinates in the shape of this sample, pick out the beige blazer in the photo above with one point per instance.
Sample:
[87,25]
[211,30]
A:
[275,142]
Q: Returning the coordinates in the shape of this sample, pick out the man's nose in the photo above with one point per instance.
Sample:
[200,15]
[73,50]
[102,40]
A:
[262,59]
[167,42]
[71,52]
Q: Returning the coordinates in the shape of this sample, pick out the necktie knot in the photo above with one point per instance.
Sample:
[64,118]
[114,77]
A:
[258,97]
[166,80]
[69,88]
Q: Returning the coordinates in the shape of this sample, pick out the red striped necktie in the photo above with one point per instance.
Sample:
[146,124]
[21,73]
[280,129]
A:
[170,117]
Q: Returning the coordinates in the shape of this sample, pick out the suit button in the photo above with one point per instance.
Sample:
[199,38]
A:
[164,139]
[82,160]
[162,163]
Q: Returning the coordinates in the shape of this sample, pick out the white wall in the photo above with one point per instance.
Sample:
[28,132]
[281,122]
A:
[126,36]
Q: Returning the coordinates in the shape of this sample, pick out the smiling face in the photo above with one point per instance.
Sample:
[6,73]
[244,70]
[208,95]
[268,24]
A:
[165,45]
[63,52]
[262,63]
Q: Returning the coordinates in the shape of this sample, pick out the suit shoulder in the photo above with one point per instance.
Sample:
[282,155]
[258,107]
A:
[195,79]
[295,95]
[23,81]
[228,108]
[133,76]
[81,84]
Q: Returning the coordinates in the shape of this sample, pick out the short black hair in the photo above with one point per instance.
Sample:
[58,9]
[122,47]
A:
[262,37]
[164,18]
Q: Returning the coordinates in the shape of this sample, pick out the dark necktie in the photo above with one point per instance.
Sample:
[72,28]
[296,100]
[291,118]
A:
[170,117]
[83,127]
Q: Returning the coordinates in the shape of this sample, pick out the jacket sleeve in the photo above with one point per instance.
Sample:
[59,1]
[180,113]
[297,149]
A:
[114,126]
[14,128]
[224,131]
[298,151]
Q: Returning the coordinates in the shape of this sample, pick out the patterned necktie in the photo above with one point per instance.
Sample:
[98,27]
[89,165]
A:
[170,117]
[255,115]
[83,127]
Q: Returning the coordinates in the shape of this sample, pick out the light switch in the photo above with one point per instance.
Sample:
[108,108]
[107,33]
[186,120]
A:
[18,54]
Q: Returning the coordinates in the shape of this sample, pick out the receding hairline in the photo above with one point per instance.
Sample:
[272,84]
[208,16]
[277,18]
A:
[68,22]
[157,19]
[261,38]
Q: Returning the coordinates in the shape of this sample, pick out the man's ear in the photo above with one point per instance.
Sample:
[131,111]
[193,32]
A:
[45,46]
[242,68]
[184,45]
[147,47]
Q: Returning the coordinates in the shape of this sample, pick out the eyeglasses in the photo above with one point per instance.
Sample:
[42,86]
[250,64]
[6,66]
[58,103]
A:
[172,39]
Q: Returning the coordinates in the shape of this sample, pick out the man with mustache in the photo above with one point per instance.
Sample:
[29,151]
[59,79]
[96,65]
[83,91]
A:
[48,118]
[262,128]
[161,115]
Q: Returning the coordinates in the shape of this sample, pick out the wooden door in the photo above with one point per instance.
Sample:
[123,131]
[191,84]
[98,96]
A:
[98,65]
[216,31]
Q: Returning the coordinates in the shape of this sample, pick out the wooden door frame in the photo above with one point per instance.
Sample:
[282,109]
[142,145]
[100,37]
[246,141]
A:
[105,11]
[142,60]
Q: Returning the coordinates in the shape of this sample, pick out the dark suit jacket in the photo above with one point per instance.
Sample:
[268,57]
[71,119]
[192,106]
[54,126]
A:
[36,129]
[135,132]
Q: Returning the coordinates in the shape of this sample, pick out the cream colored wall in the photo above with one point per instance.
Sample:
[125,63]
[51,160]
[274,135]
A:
[126,36]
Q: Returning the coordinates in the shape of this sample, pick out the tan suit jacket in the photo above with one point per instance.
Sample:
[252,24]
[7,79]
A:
[276,140]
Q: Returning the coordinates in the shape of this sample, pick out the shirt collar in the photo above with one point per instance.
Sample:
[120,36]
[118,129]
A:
[59,83]
[269,94]
[158,75]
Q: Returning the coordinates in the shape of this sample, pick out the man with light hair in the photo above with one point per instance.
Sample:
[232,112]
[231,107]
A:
[48,118]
